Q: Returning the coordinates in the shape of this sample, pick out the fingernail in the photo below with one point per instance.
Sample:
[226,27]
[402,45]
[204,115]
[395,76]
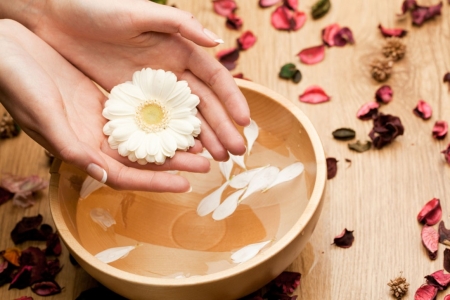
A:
[212,36]
[97,172]
[190,190]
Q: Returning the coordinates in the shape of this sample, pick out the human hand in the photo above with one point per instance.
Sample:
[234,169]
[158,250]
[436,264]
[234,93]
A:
[109,40]
[60,108]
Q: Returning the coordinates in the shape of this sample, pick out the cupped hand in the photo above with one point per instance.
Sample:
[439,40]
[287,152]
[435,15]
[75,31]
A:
[60,108]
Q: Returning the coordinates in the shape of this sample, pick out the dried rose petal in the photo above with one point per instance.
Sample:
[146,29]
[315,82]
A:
[421,14]
[23,188]
[343,36]
[408,5]
[368,111]
[444,234]
[35,257]
[431,213]
[267,3]
[5,195]
[439,280]
[423,110]
[447,260]
[21,279]
[291,4]
[46,230]
[430,240]
[27,230]
[440,130]
[447,297]
[312,55]
[331,167]
[285,19]
[426,292]
[46,288]
[12,255]
[390,32]
[53,268]
[224,7]
[345,239]
[446,153]
[53,245]
[385,129]
[286,282]
[246,40]
[234,22]
[328,34]
[384,94]
[228,57]
[314,94]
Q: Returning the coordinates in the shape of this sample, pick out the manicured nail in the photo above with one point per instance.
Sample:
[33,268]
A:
[190,190]
[97,172]
[212,36]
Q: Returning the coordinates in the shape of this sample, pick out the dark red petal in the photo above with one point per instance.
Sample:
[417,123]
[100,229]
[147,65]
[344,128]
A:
[267,3]
[426,292]
[439,279]
[312,55]
[368,111]
[33,256]
[431,213]
[291,4]
[5,195]
[46,230]
[390,32]
[446,153]
[53,245]
[331,167]
[286,282]
[343,36]
[228,57]
[384,94]
[447,76]
[345,239]
[234,22]
[430,240]
[444,234]
[385,129]
[27,230]
[440,130]
[22,278]
[408,5]
[328,34]
[423,110]
[246,40]
[53,268]
[447,260]
[421,14]
[46,288]
[314,94]
[224,7]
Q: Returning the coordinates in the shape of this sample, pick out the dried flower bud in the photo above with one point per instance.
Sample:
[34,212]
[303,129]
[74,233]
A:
[381,69]
[399,287]
[394,48]
[320,8]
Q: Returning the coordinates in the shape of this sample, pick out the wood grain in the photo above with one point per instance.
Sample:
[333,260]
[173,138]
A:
[378,194]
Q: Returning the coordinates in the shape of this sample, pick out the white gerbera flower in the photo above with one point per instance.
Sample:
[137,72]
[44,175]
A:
[151,117]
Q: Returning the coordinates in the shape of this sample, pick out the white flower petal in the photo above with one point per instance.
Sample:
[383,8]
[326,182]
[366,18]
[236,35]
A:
[226,167]
[169,85]
[160,158]
[211,202]
[142,162]
[135,140]
[123,133]
[191,140]
[120,110]
[168,143]
[190,102]
[242,180]
[239,160]
[181,126]
[150,158]
[132,157]
[179,99]
[113,143]
[107,129]
[112,254]
[128,92]
[206,154]
[288,173]
[89,186]
[141,151]
[251,133]
[124,121]
[143,80]
[246,253]
[123,149]
[180,113]
[180,139]
[228,206]
[102,217]
[152,144]
[181,87]
[261,180]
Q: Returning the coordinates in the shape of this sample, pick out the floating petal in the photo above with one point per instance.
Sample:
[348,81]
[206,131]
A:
[228,206]
[89,186]
[251,133]
[102,217]
[239,160]
[261,180]
[211,202]
[287,174]
[248,252]
[112,254]
[242,180]
[226,167]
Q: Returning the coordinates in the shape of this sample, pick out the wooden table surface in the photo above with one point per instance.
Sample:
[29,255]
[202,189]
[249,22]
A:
[378,194]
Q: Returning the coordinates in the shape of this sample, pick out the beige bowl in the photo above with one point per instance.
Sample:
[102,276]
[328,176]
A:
[183,254]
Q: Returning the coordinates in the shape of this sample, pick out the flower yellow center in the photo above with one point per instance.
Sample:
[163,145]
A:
[151,116]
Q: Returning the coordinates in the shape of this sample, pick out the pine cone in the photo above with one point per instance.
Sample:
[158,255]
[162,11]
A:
[399,287]
[8,128]
[381,69]
[394,48]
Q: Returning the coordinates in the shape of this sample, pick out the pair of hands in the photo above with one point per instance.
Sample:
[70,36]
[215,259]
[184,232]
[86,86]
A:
[59,106]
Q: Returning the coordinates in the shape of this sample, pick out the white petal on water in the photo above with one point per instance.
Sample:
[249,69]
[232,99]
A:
[251,133]
[205,153]
[242,179]
[226,167]
[89,186]
[112,254]
[228,206]
[248,252]
[288,173]
[239,160]
[211,202]
[261,180]
[102,217]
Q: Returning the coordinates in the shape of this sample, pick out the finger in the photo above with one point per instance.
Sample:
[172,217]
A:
[162,18]
[211,142]
[197,148]
[216,117]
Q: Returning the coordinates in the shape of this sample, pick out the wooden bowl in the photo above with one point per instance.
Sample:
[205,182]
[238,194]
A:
[183,253]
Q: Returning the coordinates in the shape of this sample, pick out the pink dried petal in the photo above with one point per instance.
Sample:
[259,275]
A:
[17,184]
[439,280]
[21,279]
[343,36]
[390,32]
[408,5]
[35,257]
[299,18]
[431,213]
[440,130]
[46,288]
[446,153]
[384,94]
[285,19]
[421,14]
[286,282]
[291,4]
[228,57]
[345,239]
[430,240]
[423,110]
[368,111]
[426,292]
[328,34]
[234,22]
[246,40]
[224,7]
[314,94]
[447,297]
[312,55]
[241,76]
[53,268]
[331,167]
[267,3]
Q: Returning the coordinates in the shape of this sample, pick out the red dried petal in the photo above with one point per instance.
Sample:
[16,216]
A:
[35,257]
[312,55]
[423,110]
[228,57]
[267,3]
[440,130]
[246,40]
[446,153]
[224,7]
[53,245]
[21,279]
[345,239]
[444,234]
[314,94]
[343,36]
[46,230]
[5,195]
[368,111]
[430,240]
[408,5]
[385,129]
[426,292]
[291,4]
[285,19]
[27,230]
[390,32]
[328,34]
[299,19]
[447,297]
[46,288]
[431,213]
[234,22]
[439,280]
[241,76]
[331,167]
[384,94]
[53,268]
[421,14]
[447,260]
[286,282]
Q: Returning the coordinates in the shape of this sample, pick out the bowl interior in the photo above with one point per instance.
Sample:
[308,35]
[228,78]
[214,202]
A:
[174,241]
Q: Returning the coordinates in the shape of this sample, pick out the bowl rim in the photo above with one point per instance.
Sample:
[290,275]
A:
[276,247]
